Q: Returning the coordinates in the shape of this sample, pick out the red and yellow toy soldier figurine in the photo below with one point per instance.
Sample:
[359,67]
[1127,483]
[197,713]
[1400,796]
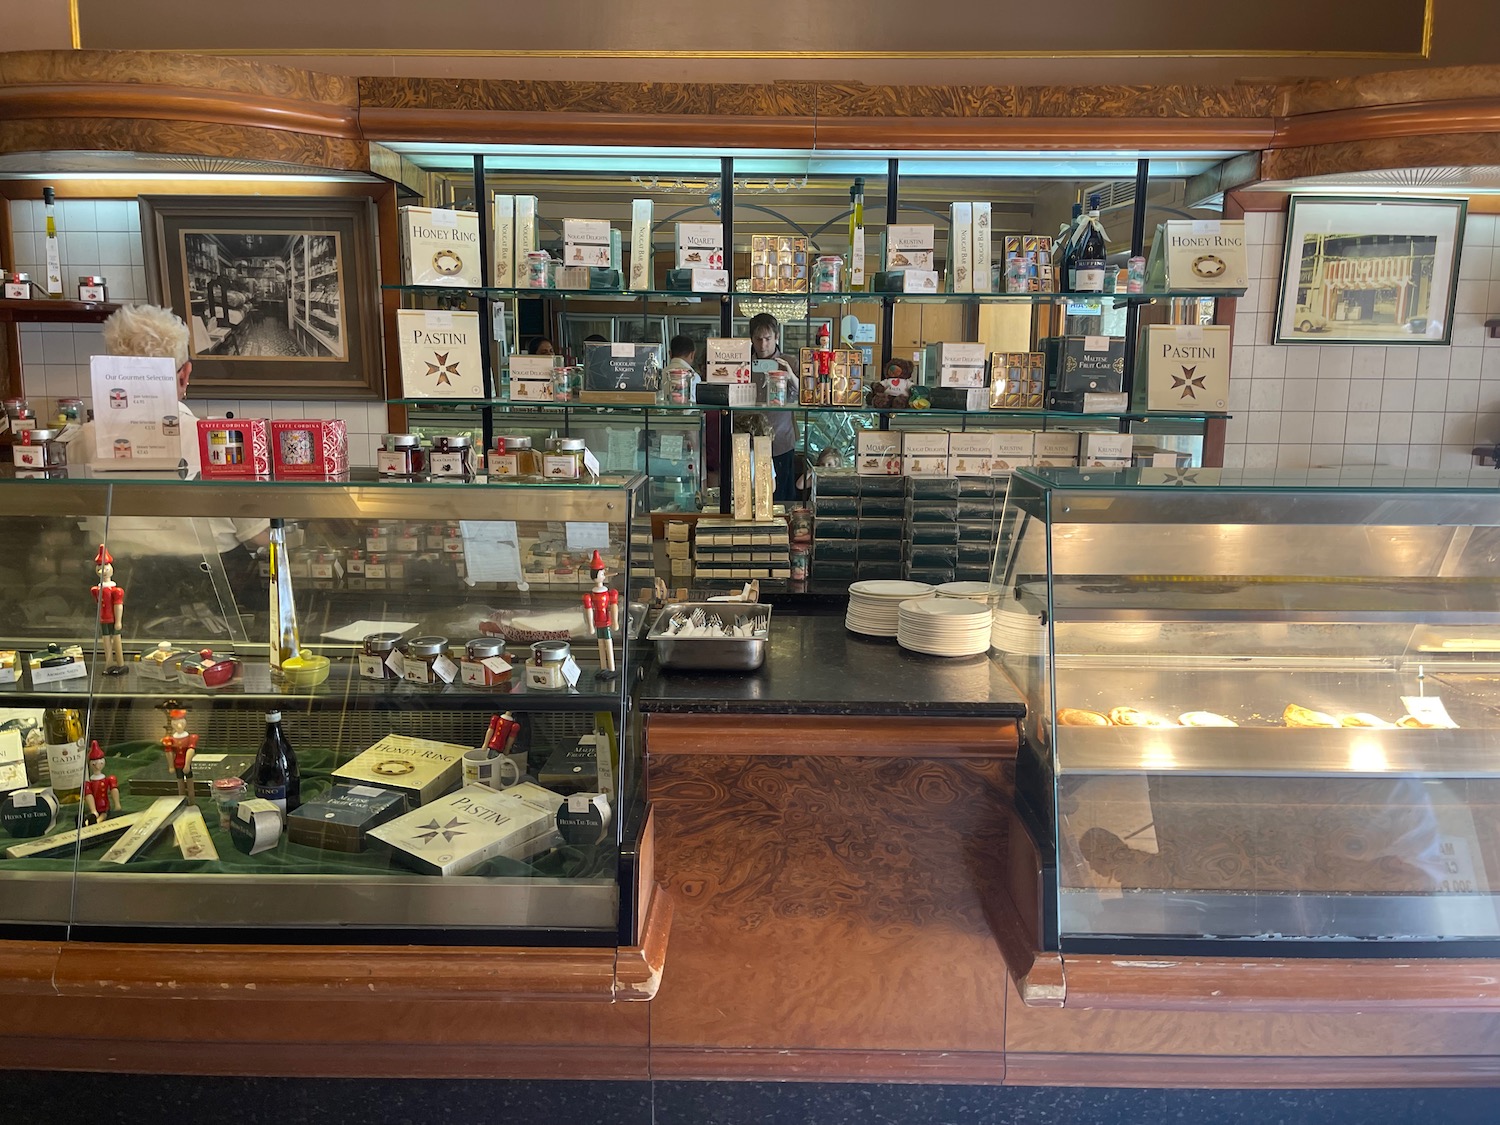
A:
[111,601]
[601,612]
[101,794]
[180,748]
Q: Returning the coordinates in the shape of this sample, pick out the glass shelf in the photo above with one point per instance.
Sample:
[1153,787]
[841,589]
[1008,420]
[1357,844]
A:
[814,298]
[761,408]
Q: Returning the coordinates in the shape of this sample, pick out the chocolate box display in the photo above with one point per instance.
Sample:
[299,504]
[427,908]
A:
[159,780]
[339,820]
[457,833]
[778,263]
[234,448]
[310,447]
[1018,380]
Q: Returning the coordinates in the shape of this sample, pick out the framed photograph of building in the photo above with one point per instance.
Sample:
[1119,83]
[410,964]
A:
[1365,270]
[281,295]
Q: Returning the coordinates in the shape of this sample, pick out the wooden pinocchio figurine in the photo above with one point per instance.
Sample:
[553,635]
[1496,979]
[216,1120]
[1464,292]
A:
[180,748]
[110,598]
[101,793]
[601,612]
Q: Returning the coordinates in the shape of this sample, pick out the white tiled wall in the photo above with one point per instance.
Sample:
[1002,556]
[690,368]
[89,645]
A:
[104,237]
[1415,406]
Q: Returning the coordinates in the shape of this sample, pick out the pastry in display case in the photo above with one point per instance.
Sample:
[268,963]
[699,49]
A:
[1261,707]
[315,727]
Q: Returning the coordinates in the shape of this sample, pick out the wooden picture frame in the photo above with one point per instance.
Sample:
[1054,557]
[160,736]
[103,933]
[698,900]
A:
[281,294]
[1369,270]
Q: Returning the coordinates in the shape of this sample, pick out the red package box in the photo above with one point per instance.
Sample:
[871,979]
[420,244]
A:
[234,447]
[310,447]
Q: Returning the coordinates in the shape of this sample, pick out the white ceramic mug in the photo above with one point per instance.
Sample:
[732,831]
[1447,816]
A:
[490,768]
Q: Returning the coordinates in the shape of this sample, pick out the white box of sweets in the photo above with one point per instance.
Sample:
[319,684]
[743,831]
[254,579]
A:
[440,247]
[457,833]
[1057,449]
[726,360]
[586,242]
[971,454]
[1106,449]
[909,246]
[1186,367]
[924,453]
[1012,450]
[700,246]
[439,354]
[877,453]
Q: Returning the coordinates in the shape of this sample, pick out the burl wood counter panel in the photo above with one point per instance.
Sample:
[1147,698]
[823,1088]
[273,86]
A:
[827,919]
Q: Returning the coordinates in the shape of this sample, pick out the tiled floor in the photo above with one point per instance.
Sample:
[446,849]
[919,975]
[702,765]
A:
[102,1099]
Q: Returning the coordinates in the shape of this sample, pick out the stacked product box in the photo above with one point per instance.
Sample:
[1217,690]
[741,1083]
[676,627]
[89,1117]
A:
[778,263]
[642,555]
[679,551]
[741,550]
[859,529]
[932,529]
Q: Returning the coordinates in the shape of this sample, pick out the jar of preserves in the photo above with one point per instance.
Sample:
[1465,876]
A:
[400,455]
[564,459]
[374,651]
[427,660]
[93,288]
[483,663]
[452,455]
[827,271]
[550,666]
[38,450]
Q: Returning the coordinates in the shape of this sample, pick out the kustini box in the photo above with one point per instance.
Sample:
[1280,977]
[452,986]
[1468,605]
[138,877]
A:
[309,447]
[1106,450]
[440,354]
[231,448]
[1056,449]
[440,246]
[909,247]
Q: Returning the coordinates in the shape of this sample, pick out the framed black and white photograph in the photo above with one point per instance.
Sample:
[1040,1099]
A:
[280,295]
[1365,270]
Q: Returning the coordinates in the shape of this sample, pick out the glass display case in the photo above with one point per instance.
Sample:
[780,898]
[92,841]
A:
[408,829]
[1262,708]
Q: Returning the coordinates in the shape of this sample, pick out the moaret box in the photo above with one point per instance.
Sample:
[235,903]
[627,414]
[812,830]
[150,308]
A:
[439,354]
[459,832]
[1186,367]
[878,453]
[726,360]
[421,768]
[700,246]
[440,246]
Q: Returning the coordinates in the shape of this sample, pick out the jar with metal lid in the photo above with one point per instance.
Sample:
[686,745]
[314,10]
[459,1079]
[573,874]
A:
[483,663]
[93,288]
[564,458]
[427,660]
[538,270]
[228,793]
[452,455]
[514,456]
[17,286]
[400,455]
[826,273]
[374,651]
[69,411]
[39,449]
[548,669]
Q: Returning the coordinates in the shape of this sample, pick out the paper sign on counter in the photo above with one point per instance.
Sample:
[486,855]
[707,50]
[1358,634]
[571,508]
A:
[587,536]
[491,551]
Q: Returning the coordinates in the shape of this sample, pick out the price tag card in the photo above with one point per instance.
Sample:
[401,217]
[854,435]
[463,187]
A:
[444,217]
[444,669]
[1428,709]
[396,663]
[587,536]
[1096,343]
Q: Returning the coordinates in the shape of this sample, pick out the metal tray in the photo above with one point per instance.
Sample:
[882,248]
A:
[711,654]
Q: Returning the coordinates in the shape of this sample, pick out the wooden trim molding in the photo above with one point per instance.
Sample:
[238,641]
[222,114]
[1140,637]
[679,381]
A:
[1371,123]
[827,1065]
[828,736]
[175,103]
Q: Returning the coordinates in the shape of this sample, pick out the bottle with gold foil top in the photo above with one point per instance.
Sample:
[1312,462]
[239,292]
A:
[62,727]
[54,255]
[283,641]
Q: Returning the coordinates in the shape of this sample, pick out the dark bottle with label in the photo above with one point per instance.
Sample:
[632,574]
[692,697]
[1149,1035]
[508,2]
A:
[276,776]
[1089,253]
[1062,249]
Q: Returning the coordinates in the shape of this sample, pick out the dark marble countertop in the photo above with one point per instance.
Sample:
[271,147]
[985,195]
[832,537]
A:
[814,666]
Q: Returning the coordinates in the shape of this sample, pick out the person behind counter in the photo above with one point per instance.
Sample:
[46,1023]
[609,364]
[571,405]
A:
[765,356]
[161,554]
[681,375]
[540,345]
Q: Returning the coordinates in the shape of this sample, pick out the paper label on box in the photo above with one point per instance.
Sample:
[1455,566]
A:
[73,670]
[435,318]
[1206,226]
[444,217]
[919,281]
[1096,343]
[24,799]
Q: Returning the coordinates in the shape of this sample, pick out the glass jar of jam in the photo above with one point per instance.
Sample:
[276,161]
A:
[427,660]
[483,663]
[452,456]
[93,288]
[564,458]
[400,455]
[374,651]
[547,670]
[39,450]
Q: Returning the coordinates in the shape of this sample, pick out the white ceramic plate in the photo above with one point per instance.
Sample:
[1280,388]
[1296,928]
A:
[890,588]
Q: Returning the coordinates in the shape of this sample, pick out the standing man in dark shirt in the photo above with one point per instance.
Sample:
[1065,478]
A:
[765,345]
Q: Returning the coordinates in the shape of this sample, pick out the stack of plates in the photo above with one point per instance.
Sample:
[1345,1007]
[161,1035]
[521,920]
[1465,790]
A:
[874,605]
[944,626]
[1018,632]
[987,592]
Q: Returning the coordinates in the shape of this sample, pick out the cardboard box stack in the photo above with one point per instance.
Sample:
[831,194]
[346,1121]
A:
[741,550]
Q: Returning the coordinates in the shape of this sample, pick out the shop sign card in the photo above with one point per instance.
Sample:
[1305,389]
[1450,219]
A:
[439,354]
[137,424]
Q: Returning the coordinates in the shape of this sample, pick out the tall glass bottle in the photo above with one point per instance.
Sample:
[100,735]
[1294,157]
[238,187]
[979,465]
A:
[276,776]
[62,727]
[1062,249]
[283,639]
[1089,258]
[54,254]
[857,236]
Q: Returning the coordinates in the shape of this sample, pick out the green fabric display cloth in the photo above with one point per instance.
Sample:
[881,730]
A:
[286,858]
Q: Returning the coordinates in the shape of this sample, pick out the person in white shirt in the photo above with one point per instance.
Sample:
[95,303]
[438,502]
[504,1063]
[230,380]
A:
[681,352]
[168,550]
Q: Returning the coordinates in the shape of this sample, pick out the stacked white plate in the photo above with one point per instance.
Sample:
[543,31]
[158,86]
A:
[874,605]
[1017,632]
[987,592]
[944,626]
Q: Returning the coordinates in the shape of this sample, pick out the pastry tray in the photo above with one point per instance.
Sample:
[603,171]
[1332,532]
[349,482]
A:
[712,654]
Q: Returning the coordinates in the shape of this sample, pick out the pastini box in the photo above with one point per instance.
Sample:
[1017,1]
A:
[439,354]
[1185,367]
[473,825]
